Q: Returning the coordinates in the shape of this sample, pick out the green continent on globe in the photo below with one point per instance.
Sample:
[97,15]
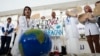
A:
[39,34]
[21,49]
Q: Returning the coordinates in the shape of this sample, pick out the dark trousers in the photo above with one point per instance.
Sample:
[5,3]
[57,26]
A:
[98,21]
[15,34]
[94,39]
[5,43]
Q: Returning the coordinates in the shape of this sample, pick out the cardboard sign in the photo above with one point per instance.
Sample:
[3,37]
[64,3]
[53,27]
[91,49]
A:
[96,11]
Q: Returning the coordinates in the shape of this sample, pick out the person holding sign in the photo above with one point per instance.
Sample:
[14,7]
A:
[53,21]
[55,31]
[71,33]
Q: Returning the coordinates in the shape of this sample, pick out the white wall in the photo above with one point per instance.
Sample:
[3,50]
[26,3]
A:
[6,5]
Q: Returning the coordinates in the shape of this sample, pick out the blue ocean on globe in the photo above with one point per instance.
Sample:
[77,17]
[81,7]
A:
[35,42]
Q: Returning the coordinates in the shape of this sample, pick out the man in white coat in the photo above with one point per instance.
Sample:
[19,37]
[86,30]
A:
[71,33]
[7,31]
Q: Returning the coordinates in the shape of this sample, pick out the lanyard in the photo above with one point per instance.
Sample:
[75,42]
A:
[68,20]
[27,20]
[7,25]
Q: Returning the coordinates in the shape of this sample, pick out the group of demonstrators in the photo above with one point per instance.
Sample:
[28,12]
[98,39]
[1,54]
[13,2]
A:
[89,19]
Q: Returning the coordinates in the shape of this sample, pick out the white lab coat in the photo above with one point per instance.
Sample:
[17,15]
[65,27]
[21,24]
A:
[53,22]
[5,28]
[91,28]
[72,35]
[22,28]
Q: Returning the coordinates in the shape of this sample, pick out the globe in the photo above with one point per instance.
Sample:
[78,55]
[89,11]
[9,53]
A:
[34,42]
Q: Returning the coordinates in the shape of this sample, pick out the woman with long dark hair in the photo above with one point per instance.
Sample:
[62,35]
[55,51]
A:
[24,22]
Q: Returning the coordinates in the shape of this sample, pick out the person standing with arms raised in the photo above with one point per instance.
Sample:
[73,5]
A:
[71,33]
[91,30]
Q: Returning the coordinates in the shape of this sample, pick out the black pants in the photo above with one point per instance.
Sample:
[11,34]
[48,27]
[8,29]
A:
[98,21]
[14,38]
[5,43]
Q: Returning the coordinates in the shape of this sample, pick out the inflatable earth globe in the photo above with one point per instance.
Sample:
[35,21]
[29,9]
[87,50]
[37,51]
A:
[35,42]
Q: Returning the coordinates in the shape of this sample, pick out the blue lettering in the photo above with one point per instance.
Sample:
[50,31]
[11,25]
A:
[54,32]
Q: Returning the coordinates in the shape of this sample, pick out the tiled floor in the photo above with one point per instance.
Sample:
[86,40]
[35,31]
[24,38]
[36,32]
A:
[79,55]
[70,55]
[85,54]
